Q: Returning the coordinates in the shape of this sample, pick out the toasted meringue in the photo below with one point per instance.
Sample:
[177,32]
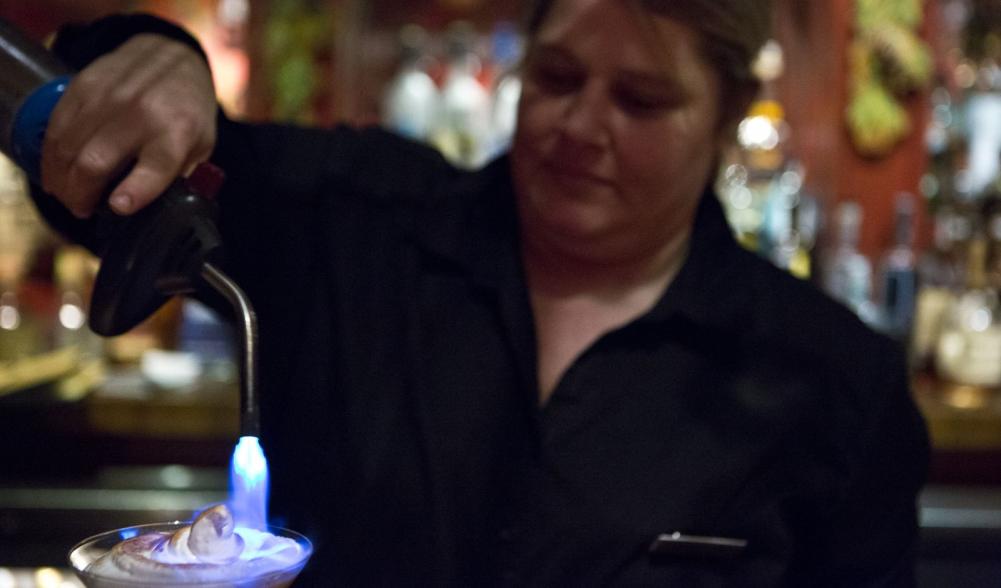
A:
[211,549]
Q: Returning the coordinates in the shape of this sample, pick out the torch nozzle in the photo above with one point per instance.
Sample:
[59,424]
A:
[250,420]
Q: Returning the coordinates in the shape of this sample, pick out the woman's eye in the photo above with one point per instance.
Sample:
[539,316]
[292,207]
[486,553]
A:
[556,80]
[640,104]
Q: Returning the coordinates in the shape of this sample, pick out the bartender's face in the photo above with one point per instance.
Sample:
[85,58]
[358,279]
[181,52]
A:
[618,129]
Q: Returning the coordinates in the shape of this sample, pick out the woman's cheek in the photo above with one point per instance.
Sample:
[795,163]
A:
[538,114]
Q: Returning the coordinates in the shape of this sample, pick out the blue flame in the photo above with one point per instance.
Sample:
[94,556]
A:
[248,480]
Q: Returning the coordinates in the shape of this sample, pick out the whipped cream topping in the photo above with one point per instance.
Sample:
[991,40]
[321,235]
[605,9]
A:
[211,549]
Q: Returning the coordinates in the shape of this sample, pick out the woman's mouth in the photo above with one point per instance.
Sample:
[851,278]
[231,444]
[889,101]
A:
[575,173]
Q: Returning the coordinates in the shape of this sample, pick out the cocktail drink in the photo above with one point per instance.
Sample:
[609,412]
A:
[209,552]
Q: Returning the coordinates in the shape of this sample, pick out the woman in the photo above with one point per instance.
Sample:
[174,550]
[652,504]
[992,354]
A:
[559,370]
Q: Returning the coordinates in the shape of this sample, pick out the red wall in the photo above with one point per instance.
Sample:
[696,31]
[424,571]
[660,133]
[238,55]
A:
[814,91]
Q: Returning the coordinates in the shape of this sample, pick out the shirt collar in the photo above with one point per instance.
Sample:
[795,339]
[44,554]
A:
[709,288]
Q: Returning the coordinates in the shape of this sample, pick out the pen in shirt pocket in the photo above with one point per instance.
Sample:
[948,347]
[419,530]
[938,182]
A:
[696,546]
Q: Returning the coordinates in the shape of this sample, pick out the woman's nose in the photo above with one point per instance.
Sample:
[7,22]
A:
[586,117]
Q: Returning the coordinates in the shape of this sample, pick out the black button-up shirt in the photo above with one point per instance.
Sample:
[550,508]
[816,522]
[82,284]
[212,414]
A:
[403,399]
[400,399]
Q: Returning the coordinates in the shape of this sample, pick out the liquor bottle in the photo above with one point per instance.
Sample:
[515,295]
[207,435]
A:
[983,118]
[410,103]
[464,122]
[20,229]
[808,221]
[755,191]
[898,272]
[939,282]
[73,271]
[764,132]
[993,223]
[789,223]
[969,347]
[73,274]
[847,275]
[506,87]
[945,143]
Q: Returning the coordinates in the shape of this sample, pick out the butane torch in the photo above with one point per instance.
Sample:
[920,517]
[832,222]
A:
[168,248]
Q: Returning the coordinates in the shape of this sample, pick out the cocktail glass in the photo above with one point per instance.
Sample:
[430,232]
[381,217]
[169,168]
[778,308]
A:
[89,550]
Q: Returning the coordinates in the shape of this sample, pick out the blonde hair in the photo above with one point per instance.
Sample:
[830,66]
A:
[732,31]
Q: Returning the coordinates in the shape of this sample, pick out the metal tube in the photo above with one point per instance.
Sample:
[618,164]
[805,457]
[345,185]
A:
[250,419]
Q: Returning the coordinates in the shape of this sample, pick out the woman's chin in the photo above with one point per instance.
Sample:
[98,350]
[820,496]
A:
[572,228]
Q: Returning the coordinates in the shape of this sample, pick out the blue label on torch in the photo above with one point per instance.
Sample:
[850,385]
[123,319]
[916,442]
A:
[30,122]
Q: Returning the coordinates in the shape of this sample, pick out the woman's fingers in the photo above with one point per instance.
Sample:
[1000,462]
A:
[97,163]
[157,165]
[71,126]
[149,106]
[93,99]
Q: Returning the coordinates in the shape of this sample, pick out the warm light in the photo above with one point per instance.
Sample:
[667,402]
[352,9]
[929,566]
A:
[10,317]
[758,132]
[981,320]
[741,198]
[48,578]
[965,75]
[966,397]
[249,484]
[72,317]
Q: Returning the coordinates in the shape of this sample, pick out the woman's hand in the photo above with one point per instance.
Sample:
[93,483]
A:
[150,106]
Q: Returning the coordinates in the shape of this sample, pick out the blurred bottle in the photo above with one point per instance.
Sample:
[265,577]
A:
[20,229]
[506,53]
[748,196]
[74,269]
[898,272]
[945,143]
[808,223]
[760,186]
[983,118]
[789,223]
[764,131]
[940,279]
[463,126]
[993,223]
[969,348]
[739,203]
[410,103]
[762,135]
[847,274]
